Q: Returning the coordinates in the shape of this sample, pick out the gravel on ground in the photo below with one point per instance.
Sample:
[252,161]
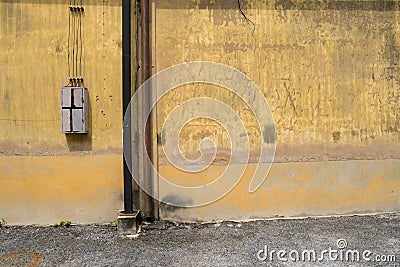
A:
[283,242]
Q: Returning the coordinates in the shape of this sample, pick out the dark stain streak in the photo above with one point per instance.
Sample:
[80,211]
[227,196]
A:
[289,96]
[269,134]
[282,47]
[277,93]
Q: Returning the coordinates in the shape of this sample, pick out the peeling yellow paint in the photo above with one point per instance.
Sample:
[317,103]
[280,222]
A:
[46,176]
[327,69]
[34,66]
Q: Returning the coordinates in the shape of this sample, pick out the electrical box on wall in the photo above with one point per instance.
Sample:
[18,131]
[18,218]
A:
[74,110]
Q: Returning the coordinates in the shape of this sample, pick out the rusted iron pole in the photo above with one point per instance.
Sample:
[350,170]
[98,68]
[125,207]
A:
[147,201]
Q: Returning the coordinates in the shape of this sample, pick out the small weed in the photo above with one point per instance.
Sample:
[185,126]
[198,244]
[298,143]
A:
[63,224]
[110,224]
[3,222]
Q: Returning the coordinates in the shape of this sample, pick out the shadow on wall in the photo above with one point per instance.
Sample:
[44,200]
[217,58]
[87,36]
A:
[81,142]
[171,211]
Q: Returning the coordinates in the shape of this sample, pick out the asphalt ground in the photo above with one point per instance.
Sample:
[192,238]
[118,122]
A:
[333,241]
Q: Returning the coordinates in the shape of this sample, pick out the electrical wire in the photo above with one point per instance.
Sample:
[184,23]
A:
[81,43]
[69,44]
[73,42]
[76,43]
[68,47]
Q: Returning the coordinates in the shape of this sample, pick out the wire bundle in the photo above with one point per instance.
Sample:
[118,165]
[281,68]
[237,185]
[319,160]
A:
[75,44]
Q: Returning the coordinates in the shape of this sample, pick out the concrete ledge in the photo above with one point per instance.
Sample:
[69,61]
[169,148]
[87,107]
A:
[128,224]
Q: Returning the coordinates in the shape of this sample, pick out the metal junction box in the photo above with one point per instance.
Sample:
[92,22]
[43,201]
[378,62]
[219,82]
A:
[74,110]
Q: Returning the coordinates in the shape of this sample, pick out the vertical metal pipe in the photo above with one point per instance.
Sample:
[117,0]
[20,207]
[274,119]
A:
[148,204]
[126,98]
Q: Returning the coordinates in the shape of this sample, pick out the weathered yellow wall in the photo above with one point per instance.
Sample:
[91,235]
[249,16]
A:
[34,66]
[46,190]
[80,180]
[295,189]
[329,70]
[325,69]
[330,73]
